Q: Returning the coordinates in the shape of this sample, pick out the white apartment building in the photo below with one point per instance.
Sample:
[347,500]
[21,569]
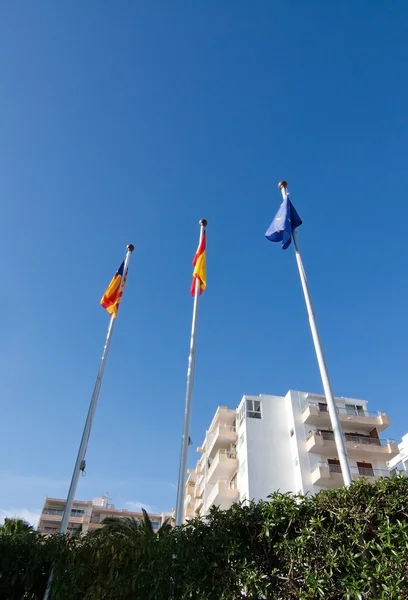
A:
[272,443]
[87,515]
[399,464]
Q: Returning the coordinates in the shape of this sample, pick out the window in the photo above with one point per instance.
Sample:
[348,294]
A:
[74,528]
[253,408]
[334,465]
[75,512]
[241,413]
[354,409]
[53,511]
[322,407]
[365,469]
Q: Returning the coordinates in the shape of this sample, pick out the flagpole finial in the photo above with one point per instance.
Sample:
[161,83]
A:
[130,247]
[283,185]
[203,223]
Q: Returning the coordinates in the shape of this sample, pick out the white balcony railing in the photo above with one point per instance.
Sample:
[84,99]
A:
[354,439]
[224,488]
[229,453]
[352,411]
[221,459]
[218,431]
[356,471]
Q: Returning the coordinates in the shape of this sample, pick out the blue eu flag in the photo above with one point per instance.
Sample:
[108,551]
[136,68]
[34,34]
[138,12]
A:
[285,222]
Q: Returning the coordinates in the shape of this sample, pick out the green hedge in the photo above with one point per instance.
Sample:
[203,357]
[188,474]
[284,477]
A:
[347,543]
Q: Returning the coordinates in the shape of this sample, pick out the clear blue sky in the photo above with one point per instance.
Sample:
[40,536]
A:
[128,122]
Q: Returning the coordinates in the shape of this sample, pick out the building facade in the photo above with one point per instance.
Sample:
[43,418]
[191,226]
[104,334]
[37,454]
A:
[284,443]
[399,464]
[87,515]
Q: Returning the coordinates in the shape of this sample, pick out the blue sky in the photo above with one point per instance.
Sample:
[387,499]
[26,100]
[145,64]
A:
[128,122]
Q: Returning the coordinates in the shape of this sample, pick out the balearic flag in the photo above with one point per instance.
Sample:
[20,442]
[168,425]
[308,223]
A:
[283,225]
[113,295]
[199,264]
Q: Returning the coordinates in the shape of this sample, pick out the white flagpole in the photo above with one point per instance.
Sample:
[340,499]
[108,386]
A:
[80,461]
[333,414]
[189,395]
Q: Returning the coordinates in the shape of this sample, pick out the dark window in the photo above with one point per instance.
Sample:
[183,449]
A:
[354,409]
[253,408]
[334,465]
[365,469]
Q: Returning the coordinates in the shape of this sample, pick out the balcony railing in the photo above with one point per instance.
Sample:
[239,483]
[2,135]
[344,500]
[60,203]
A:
[219,459]
[354,439]
[366,471]
[199,482]
[229,453]
[59,512]
[221,488]
[359,413]
[334,468]
[231,485]
[346,411]
[361,471]
[220,429]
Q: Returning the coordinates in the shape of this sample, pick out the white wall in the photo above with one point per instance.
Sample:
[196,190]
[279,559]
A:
[303,461]
[269,461]
[242,454]
[400,462]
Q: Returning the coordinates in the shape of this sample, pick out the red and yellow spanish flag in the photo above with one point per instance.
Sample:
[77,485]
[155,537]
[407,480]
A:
[113,295]
[199,264]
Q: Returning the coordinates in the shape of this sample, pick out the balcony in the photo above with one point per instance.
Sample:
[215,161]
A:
[223,494]
[328,475]
[98,519]
[199,486]
[198,493]
[198,508]
[322,442]
[55,518]
[200,465]
[188,499]
[317,414]
[223,435]
[190,487]
[223,465]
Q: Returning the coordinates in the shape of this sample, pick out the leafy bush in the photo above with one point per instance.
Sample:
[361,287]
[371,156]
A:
[340,544]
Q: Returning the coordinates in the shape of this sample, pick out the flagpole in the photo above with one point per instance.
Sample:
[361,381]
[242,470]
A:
[80,461]
[333,413]
[187,404]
